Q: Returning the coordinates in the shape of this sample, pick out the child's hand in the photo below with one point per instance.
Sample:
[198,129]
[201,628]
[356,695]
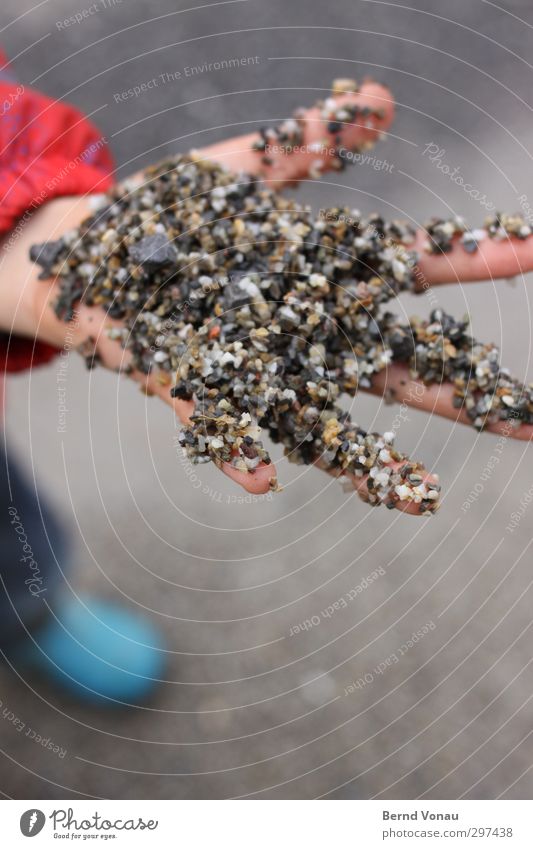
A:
[29,308]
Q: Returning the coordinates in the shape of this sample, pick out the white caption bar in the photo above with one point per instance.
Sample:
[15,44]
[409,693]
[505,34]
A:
[267,824]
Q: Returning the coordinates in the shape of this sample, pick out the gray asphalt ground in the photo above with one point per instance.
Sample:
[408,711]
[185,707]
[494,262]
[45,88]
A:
[248,709]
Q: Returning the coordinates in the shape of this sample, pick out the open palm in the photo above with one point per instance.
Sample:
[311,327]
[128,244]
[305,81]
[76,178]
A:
[433,365]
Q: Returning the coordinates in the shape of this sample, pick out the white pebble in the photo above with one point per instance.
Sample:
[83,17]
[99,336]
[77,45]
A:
[405,493]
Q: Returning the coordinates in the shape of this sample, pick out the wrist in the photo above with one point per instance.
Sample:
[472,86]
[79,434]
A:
[26,303]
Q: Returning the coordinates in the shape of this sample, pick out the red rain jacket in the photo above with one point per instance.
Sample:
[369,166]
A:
[48,149]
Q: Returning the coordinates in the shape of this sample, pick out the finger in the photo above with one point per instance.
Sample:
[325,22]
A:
[410,503]
[261,480]
[351,122]
[328,437]
[476,255]
[418,498]
[90,334]
[397,384]
[439,367]
[257,481]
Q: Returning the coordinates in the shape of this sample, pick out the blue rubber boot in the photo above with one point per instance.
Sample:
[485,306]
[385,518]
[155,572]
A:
[98,653]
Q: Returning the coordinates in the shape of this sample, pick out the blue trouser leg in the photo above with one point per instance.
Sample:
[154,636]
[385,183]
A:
[95,650]
[32,554]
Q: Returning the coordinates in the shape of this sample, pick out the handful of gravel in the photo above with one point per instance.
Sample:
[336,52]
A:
[263,314]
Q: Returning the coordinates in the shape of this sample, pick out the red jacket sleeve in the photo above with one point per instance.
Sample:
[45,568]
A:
[48,149]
